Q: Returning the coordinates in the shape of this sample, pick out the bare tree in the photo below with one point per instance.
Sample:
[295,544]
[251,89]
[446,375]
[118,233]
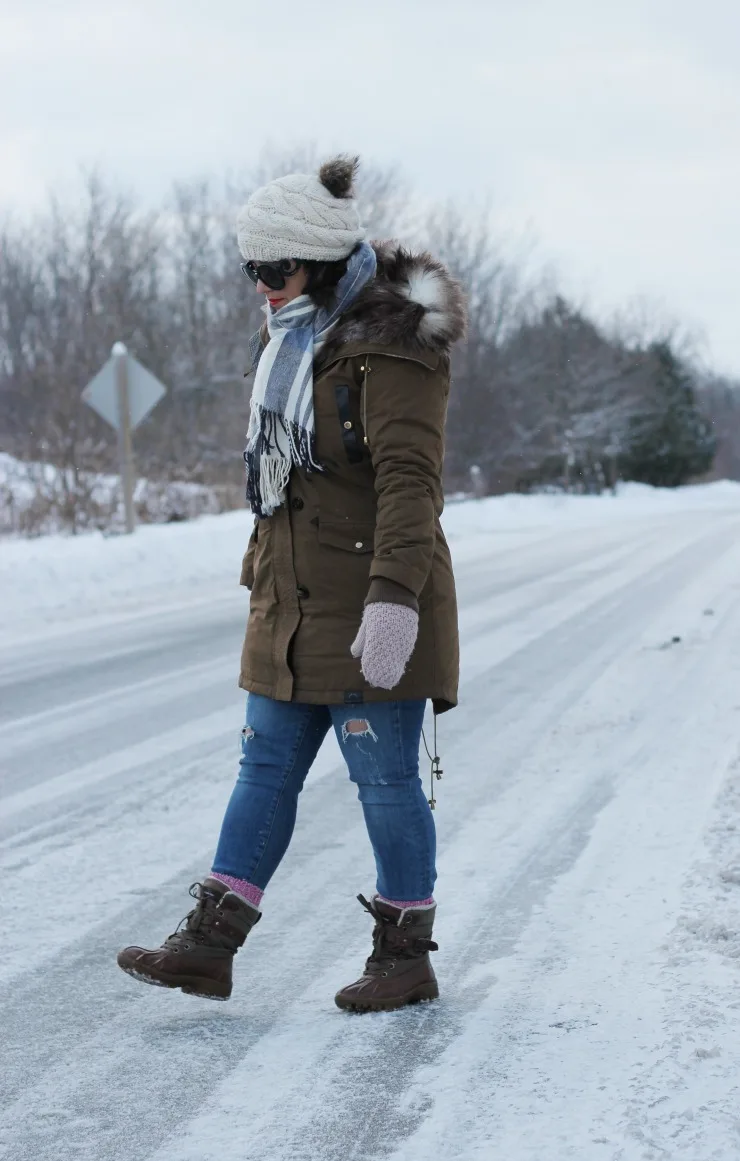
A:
[498,299]
[719,398]
[572,395]
[75,282]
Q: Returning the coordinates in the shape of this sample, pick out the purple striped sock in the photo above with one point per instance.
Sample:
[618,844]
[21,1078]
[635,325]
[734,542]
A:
[407,906]
[241,887]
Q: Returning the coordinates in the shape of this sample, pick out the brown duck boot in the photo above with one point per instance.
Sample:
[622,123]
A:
[399,971]
[198,959]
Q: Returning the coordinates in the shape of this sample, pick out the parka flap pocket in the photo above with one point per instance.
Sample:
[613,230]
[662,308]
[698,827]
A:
[348,535]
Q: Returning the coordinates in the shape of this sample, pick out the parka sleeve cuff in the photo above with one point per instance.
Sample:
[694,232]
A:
[411,572]
[382,589]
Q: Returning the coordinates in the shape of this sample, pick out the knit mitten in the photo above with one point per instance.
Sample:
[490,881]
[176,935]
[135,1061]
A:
[385,642]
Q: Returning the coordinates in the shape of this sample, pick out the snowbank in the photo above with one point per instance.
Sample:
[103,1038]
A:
[55,576]
[467,522]
[35,499]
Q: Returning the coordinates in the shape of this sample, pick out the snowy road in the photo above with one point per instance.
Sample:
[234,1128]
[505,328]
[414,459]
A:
[589,833]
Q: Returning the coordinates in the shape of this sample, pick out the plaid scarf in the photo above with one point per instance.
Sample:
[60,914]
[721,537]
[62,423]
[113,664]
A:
[281,424]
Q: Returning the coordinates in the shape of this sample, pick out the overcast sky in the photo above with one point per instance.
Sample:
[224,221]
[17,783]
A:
[611,126]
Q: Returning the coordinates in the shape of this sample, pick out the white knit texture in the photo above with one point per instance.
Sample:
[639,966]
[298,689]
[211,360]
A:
[385,642]
[297,217]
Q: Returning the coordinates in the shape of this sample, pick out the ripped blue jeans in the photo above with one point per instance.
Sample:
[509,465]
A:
[380,744]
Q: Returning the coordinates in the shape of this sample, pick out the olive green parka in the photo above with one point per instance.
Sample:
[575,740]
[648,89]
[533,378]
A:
[367,526]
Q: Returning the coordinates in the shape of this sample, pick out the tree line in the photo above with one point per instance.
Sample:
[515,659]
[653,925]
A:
[543,394]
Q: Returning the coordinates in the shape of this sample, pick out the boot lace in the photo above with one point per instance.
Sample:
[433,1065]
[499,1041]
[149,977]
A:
[391,942]
[199,921]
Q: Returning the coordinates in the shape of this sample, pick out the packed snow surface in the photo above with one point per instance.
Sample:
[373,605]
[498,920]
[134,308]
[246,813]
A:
[589,857]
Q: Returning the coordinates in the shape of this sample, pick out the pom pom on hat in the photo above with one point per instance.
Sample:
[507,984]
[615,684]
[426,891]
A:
[338,175]
[303,216]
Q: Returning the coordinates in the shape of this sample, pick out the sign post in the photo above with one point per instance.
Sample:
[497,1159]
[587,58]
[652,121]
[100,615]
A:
[123,393]
[125,446]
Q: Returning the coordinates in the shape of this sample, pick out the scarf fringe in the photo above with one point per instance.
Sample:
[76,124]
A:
[268,471]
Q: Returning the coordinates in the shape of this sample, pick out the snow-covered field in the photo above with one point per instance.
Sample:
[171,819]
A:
[589,833]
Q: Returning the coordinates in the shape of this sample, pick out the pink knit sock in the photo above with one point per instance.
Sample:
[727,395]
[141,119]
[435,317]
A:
[240,887]
[406,906]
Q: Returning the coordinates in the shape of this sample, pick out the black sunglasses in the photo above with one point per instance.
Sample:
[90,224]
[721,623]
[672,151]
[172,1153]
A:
[273,274]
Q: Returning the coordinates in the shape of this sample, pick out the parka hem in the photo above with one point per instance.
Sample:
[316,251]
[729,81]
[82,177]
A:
[441,702]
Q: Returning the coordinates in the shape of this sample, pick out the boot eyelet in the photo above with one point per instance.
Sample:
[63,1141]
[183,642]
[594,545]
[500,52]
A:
[391,966]
[384,974]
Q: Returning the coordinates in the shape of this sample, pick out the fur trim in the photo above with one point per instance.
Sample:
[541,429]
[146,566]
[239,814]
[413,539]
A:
[413,302]
[338,175]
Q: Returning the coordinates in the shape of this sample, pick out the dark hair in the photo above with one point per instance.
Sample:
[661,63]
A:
[323,278]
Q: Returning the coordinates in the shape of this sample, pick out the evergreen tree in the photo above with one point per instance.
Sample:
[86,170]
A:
[670,441]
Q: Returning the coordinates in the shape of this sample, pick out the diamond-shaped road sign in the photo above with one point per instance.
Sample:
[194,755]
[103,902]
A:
[123,393]
[144,390]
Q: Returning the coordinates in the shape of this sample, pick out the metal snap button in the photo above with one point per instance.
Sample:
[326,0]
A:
[348,425]
[359,544]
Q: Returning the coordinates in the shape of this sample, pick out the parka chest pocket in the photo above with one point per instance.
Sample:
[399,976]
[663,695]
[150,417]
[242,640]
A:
[350,535]
[348,411]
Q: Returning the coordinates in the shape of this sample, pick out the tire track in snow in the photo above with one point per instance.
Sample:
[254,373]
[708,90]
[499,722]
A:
[511,1065]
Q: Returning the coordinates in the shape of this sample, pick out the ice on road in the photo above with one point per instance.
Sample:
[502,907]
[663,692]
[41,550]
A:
[589,859]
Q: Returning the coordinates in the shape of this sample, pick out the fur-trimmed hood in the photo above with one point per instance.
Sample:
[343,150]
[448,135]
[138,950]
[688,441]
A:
[413,302]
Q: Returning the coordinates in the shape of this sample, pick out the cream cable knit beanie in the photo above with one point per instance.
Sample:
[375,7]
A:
[303,216]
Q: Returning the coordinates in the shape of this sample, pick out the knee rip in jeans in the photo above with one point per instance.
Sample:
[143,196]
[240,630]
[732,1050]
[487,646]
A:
[358,728]
[247,733]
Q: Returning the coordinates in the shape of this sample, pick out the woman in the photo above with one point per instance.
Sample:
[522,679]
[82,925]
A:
[353,620]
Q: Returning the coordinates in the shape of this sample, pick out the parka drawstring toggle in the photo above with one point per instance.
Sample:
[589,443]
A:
[436,771]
